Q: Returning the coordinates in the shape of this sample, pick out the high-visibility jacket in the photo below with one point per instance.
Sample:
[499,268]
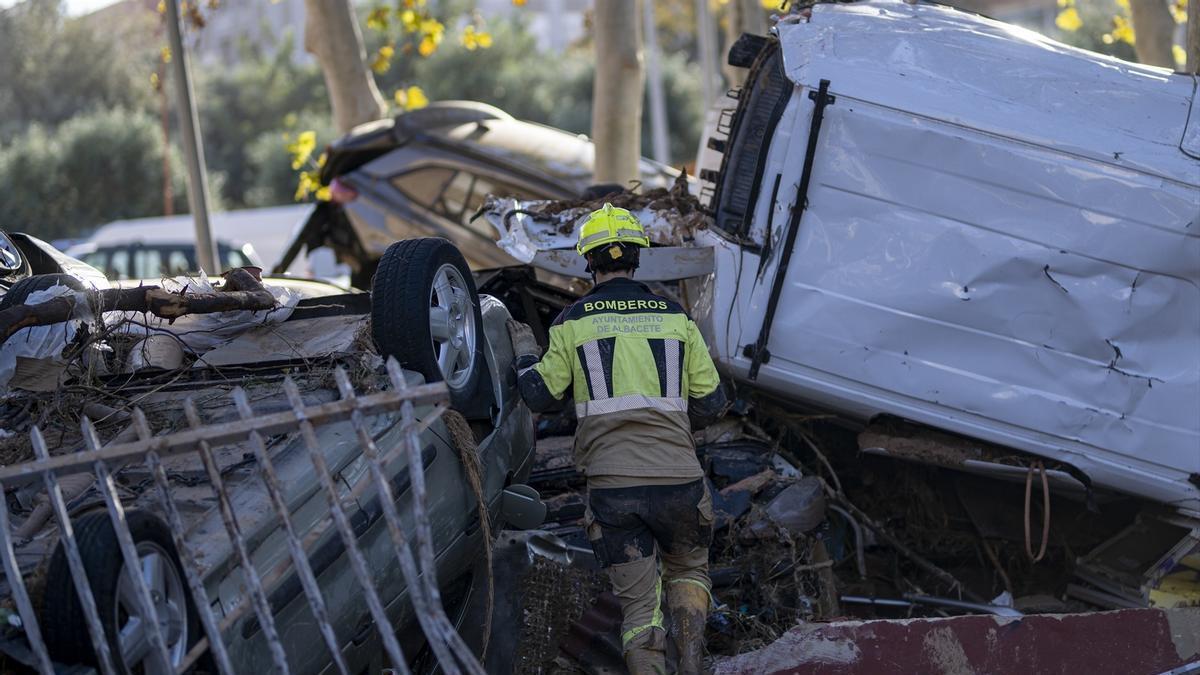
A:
[635,363]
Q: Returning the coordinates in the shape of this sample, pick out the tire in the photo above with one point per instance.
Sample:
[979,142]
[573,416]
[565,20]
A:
[63,625]
[20,291]
[404,298]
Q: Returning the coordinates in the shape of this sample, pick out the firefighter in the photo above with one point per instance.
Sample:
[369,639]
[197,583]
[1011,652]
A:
[637,368]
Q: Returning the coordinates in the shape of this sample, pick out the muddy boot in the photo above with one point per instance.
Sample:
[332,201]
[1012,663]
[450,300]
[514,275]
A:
[647,655]
[688,603]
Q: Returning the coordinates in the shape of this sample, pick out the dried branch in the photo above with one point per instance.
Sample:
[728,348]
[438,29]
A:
[241,291]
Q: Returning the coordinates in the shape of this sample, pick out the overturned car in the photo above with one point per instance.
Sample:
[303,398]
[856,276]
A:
[256,475]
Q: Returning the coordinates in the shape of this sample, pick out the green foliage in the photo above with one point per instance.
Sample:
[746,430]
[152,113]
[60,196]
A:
[273,178]
[1096,21]
[93,168]
[52,68]
[263,96]
[544,87]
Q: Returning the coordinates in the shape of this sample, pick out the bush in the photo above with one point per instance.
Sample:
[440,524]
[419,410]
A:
[92,169]
[53,68]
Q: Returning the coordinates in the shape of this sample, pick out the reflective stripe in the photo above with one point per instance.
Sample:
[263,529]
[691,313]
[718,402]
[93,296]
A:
[629,402]
[712,602]
[595,368]
[656,620]
[526,369]
[671,350]
[600,236]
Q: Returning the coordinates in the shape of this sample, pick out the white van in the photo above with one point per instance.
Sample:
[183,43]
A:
[924,214]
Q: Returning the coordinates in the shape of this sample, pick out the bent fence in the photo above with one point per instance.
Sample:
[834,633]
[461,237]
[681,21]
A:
[144,641]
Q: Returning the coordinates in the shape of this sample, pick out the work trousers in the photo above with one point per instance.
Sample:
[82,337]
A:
[626,525]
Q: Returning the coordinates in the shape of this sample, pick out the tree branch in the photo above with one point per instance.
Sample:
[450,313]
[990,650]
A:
[241,291]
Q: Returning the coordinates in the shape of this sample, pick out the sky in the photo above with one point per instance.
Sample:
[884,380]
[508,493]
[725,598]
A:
[74,7]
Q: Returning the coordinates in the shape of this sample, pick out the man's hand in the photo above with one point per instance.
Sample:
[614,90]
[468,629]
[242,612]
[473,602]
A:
[522,339]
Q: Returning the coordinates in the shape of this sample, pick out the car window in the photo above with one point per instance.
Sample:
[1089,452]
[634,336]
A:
[424,186]
[465,194]
[234,258]
[118,264]
[147,263]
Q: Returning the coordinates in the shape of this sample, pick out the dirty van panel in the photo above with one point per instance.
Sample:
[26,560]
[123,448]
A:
[942,265]
[958,272]
[1190,145]
[904,278]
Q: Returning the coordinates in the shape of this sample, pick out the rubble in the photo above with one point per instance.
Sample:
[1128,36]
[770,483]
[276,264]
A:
[814,534]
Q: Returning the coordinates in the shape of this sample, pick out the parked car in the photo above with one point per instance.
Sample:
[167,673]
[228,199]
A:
[427,172]
[166,255]
[425,312]
[923,214]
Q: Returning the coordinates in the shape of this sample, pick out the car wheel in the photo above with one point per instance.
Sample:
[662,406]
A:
[425,313]
[63,624]
[20,291]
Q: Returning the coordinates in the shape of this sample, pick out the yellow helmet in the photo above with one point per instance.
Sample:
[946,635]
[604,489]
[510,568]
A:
[610,224]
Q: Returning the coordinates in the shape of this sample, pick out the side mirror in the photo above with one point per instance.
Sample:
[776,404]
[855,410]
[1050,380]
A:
[521,507]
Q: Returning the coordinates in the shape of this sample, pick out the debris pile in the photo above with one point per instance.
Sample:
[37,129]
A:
[814,524]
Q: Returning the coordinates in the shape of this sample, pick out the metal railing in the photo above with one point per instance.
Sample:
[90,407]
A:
[418,567]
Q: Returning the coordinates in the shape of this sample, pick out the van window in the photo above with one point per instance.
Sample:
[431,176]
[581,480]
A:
[234,258]
[147,263]
[97,259]
[177,263]
[118,265]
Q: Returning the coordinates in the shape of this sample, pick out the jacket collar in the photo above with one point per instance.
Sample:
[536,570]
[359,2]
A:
[617,285]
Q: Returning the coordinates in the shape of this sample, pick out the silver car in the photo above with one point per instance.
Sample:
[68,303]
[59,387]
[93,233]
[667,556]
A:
[426,173]
[305,426]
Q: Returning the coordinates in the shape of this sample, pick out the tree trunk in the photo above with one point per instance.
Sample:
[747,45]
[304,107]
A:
[617,92]
[332,35]
[1193,37]
[745,16]
[1154,30]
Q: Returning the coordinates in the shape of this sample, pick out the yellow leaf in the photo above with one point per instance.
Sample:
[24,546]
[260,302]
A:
[383,59]
[427,46]
[1069,20]
[165,54]
[162,7]
[1180,56]
[1123,4]
[411,98]
[1178,11]
[408,21]
[773,5]
[1123,30]
[377,19]
[519,3]
[322,193]
[473,39]
[432,28]
[302,148]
